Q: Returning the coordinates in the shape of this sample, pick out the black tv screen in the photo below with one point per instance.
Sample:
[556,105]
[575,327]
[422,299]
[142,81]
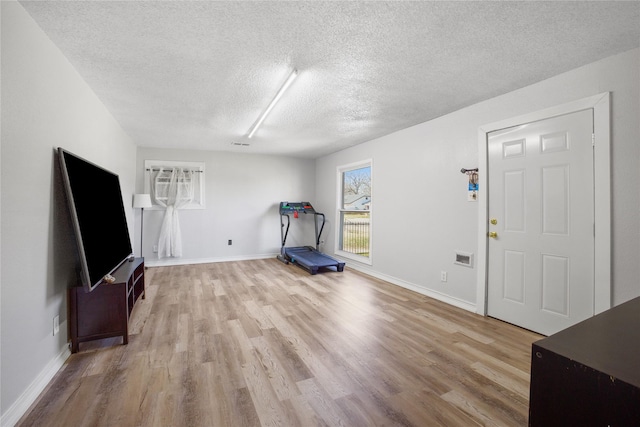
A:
[98,217]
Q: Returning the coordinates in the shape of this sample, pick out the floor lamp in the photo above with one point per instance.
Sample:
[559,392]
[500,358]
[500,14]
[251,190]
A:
[141,201]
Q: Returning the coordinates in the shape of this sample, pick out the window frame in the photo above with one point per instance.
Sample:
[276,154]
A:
[340,210]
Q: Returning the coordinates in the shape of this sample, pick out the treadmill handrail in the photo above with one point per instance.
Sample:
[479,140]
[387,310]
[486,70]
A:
[307,209]
[284,235]
[321,228]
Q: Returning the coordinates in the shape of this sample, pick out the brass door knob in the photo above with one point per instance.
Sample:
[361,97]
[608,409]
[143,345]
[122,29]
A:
[494,221]
[493,234]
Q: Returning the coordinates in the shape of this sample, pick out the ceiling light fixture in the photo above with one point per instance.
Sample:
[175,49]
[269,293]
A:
[263,116]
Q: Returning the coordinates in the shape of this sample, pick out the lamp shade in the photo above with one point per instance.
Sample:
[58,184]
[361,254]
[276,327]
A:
[142,201]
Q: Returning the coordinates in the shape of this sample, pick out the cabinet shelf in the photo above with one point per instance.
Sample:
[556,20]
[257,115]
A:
[105,311]
[589,373]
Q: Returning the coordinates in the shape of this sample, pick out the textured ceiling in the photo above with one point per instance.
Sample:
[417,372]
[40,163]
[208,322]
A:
[197,74]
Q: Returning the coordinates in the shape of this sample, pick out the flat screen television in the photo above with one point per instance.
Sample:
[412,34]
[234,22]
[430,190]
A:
[98,217]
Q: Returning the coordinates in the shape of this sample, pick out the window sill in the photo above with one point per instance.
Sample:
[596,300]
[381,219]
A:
[354,257]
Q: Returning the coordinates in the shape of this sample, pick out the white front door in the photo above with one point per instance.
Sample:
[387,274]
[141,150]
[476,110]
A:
[541,212]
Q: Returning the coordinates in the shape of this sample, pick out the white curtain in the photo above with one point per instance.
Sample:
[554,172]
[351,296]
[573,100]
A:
[172,189]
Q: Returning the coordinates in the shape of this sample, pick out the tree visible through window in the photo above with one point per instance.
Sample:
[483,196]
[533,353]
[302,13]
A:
[355,210]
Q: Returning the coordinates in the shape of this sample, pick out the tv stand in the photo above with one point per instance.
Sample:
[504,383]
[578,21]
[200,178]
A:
[105,311]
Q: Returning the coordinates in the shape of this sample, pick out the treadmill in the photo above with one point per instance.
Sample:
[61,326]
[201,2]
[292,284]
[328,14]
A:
[307,257]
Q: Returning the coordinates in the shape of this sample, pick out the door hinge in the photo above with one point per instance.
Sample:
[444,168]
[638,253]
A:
[593,139]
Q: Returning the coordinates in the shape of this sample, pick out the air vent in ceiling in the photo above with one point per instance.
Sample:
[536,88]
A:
[241,144]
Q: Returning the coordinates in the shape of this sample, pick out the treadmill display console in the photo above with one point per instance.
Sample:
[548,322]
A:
[299,207]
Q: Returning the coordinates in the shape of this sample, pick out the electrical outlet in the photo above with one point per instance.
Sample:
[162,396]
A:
[155,249]
[230,242]
[56,325]
[443,276]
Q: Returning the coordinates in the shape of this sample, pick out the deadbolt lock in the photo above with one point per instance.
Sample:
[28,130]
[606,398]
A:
[494,221]
[493,234]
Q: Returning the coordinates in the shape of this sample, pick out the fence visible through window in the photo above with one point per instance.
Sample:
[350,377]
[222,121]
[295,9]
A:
[355,234]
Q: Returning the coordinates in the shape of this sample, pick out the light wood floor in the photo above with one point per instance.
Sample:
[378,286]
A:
[260,343]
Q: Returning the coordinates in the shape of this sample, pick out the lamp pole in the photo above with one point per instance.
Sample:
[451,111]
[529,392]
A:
[141,228]
[141,201]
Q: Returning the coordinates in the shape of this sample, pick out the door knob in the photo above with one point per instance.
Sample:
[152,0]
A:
[493,234]
[494,221]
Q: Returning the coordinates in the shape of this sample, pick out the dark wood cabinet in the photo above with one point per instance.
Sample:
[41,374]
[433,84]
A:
[104,312]
[589,374]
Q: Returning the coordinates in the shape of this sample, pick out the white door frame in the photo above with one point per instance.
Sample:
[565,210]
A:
[602,195]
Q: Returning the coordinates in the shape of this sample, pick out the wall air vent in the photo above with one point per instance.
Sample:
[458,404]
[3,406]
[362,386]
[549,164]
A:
[464,258]
[241,144]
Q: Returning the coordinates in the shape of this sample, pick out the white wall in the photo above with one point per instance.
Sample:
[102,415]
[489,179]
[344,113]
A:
[421,215]
[242,194]
[45,104]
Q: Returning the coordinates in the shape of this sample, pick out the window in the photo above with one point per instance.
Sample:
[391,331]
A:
[190,182]
[185,188]
[354,211]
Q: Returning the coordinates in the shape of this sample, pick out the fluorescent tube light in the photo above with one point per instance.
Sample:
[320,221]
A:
[272,104]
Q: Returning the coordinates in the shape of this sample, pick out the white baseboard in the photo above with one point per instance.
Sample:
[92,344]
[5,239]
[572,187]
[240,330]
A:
[166,262]
[26,399]
[465,305]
